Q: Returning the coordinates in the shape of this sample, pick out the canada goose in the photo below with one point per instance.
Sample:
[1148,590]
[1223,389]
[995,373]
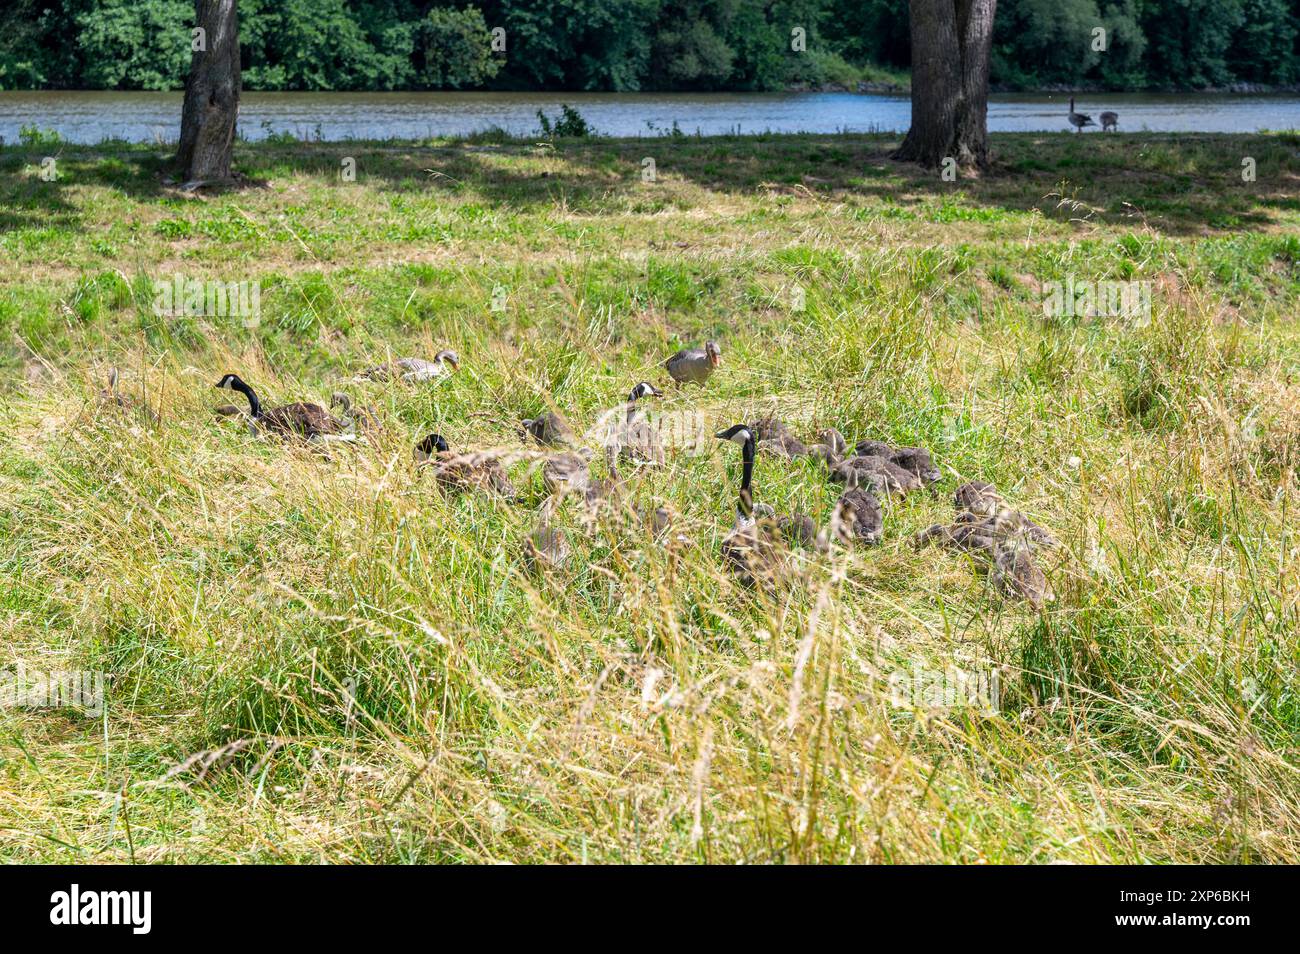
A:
[310,421]
[640,442]
[608,493]
[883,477]
[694,364]
[658,520]
[415,369]
[609,485]
[1079,120]
[1109,121]
[361,419]
[752,550]
[550,429]
[775,437]
[915,460]
[463,472]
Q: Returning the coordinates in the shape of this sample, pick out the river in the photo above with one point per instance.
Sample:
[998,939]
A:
[90,117]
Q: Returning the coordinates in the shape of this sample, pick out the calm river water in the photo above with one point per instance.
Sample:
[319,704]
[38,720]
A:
[89,117]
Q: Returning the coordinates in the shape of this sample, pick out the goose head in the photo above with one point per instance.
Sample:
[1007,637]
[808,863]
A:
[447,356]
[713,351]
[233,382]
[739,433]
[644,390]
[430,447]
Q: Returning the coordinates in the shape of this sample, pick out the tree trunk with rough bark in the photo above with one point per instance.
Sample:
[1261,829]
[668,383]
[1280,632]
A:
[211,95]
[951,41]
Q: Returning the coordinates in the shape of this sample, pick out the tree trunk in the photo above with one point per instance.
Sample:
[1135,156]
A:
[951,41]
[211,95]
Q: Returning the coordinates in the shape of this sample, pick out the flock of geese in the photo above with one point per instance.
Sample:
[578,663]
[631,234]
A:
[762,549]
[1109,120]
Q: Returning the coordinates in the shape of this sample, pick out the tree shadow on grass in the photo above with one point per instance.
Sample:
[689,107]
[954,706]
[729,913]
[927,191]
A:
[1173,184]
[1177,185]
[29,202]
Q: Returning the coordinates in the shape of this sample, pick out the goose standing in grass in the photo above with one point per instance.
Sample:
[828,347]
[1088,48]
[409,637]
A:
[305,420]
[750,550]
[414,369]
[550,429]
[917,460]
[461,472]
[608,494]
[978,497]
[982,499]
[640,442]
[604,490]
[1079,120]
[799,529]
[1109,121]
[694,365]
[1016,573]
[969,532]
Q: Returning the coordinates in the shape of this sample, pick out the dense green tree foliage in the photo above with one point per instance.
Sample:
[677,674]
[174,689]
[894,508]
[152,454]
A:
[642,44]
[457,49]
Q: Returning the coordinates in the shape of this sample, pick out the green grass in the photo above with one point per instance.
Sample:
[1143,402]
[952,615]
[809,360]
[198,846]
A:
[326,659]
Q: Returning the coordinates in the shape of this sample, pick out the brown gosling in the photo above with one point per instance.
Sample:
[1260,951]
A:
[550,429]
[463,472]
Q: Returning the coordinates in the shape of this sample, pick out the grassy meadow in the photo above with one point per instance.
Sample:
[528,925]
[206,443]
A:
[316,657]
